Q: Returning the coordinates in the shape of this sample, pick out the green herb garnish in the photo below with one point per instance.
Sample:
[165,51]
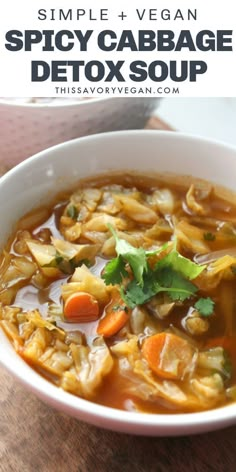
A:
[115,271]
[72,212]
[181,264]
[205,306]
[136,257]
[209,236]
[67,266]
[172,274]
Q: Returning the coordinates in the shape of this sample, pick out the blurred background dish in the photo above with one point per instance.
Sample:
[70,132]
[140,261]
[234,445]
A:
[29,127]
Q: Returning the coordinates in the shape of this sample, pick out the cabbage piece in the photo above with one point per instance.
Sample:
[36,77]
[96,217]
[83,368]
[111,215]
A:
[135,210]
[9,313]
[216,271]
[208,222]
[70,383]
[41,349]
[160,306]
[26,329]
[108,204]
[84,281]
[137,320]
[12,332]
[216,255]
[77,252]
[17,270]
[212,359]
[45,256]
[74,336]
[92,365]
[164,201]
[95,237]
[127,347]
[74,213]
[100,222]
[36,345]
[135,238]
[196,324]
[56,257]
[8,295]
[73,233]
[39,280]
[158,230]
[192,203]
[190,237]
[221,265]
[56,362]
[142,322]
[90,197]
[39,322]
[14,271]
[208,388]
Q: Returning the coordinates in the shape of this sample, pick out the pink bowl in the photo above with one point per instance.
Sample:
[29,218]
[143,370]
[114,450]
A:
[27,128]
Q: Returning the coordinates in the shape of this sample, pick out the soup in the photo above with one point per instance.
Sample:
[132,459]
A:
[123,293]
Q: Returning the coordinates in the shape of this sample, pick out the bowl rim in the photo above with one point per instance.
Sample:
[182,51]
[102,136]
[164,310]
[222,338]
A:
[172,135]
[115,419]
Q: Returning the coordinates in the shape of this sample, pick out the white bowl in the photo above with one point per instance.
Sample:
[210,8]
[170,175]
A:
[45,174]
[27,128]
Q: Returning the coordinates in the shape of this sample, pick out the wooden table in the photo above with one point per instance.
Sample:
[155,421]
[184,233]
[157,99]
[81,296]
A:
[36,438]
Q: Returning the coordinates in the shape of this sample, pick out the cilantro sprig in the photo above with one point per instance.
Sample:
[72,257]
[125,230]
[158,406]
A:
[115,271]
[205,306]
[140,282]
[126,253]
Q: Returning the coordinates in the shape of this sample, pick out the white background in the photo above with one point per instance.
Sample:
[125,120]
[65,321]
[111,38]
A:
[209,117]
[15,76]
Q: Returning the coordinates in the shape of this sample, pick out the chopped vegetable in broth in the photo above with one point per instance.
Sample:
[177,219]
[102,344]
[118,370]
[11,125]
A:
[123,293]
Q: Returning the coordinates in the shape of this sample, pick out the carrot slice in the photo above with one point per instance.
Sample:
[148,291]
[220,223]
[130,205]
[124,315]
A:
[117,314]
[167,355]
[81,307]
[112,323]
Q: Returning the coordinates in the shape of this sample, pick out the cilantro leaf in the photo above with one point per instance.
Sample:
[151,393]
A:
[179,287]
[205,306]
[136,257]
[136,295]
[114,271]
[166,280]
[72,212]
[181,264]
[172,274]
[208,236]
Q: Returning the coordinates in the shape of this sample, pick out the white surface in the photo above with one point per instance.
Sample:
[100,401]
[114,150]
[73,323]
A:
[52,170]
[210,117]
